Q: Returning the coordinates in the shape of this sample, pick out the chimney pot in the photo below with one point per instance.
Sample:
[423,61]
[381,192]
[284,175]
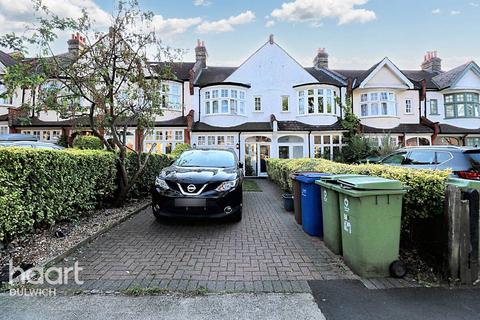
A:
[200,55]
[431,62]
[321,59]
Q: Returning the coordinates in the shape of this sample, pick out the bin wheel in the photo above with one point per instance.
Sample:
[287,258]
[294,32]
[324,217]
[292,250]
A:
[398,269]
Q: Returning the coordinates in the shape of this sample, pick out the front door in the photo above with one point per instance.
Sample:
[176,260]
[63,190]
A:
[256,155]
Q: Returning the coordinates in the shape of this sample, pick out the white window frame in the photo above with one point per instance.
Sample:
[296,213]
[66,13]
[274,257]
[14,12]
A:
[408,106]
[327,95]
[163,138]
[291,145]
[288,103]
[323,144]
[234,98]
[4,129]
[52,134]
[436,107]
[228,140]
[5,101]
[255,109]
[168,95]
[373,102]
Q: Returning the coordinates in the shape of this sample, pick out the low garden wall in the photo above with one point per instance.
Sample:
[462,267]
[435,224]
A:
[41,187]
[426,188]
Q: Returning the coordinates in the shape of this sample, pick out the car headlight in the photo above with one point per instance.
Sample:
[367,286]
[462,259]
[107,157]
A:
[160,182]
[227,185]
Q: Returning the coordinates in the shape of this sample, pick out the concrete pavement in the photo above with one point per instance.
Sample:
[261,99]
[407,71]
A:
[211,307]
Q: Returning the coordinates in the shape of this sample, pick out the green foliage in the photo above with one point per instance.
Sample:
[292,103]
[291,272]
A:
[179,148]
[41,187]
[356,149]
[155,164]
[350,121]
[424,199]
[63,141]
[88,143]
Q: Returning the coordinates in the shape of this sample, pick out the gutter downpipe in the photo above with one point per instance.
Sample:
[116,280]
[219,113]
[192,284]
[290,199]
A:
[199,106]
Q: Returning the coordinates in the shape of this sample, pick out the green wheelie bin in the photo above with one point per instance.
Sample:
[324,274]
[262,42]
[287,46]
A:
[332,234]
[370,218]
[464,183]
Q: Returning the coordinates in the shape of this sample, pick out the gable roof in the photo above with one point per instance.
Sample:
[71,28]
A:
[386,63]
[6,59]
[449,78]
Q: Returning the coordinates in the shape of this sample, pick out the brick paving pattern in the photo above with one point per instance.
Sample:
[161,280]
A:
[266,252]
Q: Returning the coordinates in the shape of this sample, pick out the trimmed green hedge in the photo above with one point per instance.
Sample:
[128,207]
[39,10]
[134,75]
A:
[41,187]
[424,199]
[88,143]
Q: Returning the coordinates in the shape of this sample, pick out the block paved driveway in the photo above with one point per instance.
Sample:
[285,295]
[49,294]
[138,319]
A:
[266,252]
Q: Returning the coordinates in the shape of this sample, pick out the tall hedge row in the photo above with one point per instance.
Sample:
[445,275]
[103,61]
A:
[424,199]
[41,187]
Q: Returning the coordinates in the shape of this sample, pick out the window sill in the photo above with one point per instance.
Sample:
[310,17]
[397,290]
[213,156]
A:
[434,114]
[379,116]
[223,114]
[257,111]
[448,118]
[318,114]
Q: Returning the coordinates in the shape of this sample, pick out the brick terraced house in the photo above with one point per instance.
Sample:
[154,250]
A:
[271,106]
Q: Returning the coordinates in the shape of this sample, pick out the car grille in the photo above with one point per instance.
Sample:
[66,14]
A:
[198,187]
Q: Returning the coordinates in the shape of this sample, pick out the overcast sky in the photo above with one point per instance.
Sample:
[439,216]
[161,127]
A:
[356,33]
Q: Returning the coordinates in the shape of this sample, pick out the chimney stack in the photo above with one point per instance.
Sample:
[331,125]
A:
[76,44]
[431,62]
[321,60]
[200,55]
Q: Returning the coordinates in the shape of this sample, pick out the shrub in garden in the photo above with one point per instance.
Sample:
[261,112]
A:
[40,187]
[87,143]
[179,148]
[424,199]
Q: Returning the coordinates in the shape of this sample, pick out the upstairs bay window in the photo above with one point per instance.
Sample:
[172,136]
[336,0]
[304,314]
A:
[462,105]
[317,101]
[8,101]
[377,104]
[171,96]
[224,101]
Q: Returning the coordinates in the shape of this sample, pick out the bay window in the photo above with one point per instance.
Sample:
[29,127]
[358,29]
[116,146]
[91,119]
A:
[317,101]
[379,104]
[462,105]
[171,96]
[6,100]
[224,101]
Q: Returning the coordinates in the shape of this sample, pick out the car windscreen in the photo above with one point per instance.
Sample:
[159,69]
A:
[206,158]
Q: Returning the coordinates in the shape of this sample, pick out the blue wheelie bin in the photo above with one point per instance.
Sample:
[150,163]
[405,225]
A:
[312,218]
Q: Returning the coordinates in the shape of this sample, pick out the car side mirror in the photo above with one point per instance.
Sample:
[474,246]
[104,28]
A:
[240,165]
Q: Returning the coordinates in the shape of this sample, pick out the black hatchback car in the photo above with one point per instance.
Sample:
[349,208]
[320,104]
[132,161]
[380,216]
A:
[201,183]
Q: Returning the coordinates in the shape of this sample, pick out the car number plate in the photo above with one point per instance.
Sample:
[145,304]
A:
[190,202]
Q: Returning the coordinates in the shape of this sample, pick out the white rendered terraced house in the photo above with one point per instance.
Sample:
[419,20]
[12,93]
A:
[271,106]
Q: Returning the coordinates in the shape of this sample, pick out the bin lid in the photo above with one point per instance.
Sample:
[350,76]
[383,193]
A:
[370,183]
[335,177]
[464,183]
[310,177]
